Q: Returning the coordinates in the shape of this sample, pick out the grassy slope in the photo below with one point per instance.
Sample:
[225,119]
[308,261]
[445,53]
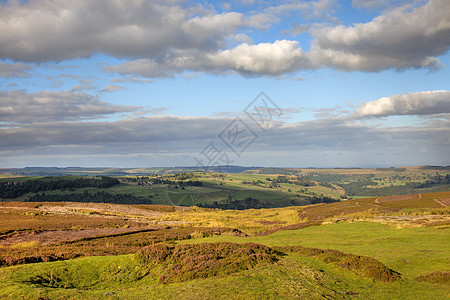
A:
[119,277]
[412,251]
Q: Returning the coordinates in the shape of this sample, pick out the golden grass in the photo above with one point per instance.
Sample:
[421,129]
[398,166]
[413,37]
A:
[250,221]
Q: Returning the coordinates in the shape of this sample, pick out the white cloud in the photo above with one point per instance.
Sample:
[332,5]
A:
[262,59]
[166,38]
[57,30]
[112,88]
[403,38]
[419,103]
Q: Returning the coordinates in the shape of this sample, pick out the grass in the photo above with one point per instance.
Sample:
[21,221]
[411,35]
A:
[410,251]
[118,277]
[250,221]
[353,256]
[206,260]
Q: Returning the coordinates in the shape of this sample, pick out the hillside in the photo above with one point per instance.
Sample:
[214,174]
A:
[255,188]
[372,248]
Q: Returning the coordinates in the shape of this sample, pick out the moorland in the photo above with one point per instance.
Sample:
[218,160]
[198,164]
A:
[260,233]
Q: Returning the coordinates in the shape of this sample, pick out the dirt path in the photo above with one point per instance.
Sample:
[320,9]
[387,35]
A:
[377,200]
[440,202]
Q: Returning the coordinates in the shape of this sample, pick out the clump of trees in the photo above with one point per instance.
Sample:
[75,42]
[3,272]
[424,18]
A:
[230,203]
[14,189]
[97,197]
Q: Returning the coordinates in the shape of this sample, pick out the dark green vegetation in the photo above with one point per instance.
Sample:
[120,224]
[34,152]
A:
[97,197]
[14,188]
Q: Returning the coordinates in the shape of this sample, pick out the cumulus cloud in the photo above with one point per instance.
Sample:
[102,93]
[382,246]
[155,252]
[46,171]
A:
[402,38]
[166,38]
[14,70]
[418,103]
[19,106]
[57,30]
[264,59]
[406,37]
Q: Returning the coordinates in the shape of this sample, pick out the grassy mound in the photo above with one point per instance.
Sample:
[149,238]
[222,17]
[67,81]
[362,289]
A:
[435,277]
[187,262]
[361,265]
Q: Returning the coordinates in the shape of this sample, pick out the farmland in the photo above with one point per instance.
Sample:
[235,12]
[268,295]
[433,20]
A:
[378,247]
[274,188]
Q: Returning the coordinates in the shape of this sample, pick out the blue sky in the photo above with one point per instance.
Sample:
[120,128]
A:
[154,83]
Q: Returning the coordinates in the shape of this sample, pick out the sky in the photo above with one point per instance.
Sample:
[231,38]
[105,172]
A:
[326,83]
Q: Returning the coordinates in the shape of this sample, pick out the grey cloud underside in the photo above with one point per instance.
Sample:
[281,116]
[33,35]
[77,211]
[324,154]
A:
[165,39]
[194,133]
[57,30]
[19,107]
[14,70]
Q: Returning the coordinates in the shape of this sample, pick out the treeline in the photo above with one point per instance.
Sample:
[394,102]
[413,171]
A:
[280,171]
[251,203]
[339,178]
[16,189]
[174,182]
[435,180]
[229,203]
[298,180]
[97,197]
[322,199]
[360,188]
